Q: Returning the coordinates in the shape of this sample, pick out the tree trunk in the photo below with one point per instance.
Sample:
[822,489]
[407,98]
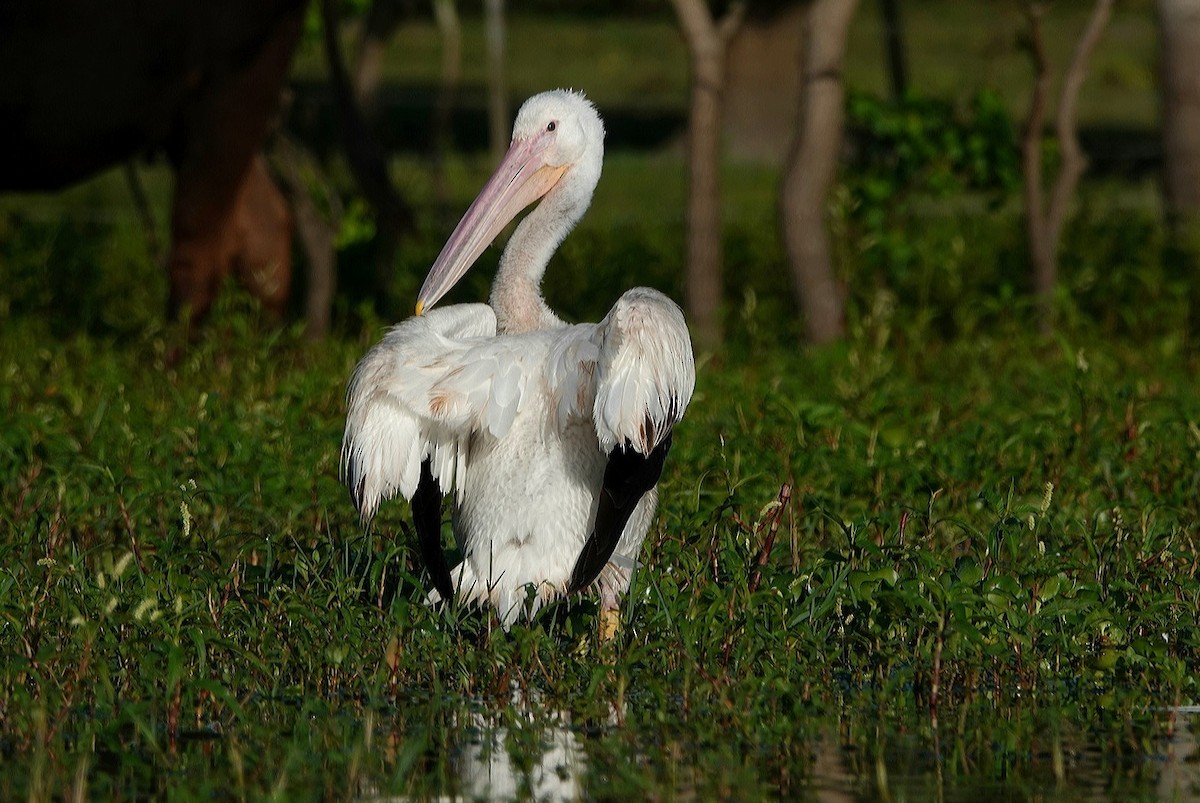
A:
[1179,27]
[811,168]
[1045,223]
[378,25]
[707,42]
[1179,31]
[367,160]
[451,75]
[893,35]
[317,230]
[498,120]
[1041,250]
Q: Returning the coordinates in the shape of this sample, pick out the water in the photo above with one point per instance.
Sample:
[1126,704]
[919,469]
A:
[425,747]
[550,761]
[541,755]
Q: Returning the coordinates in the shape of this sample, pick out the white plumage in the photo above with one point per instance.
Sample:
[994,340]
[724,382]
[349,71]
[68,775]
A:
[518,412]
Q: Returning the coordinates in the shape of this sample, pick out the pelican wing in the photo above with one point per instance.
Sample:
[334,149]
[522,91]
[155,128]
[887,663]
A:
[645,371]
[635,390]
[427,518]
[419,394]
[435,380]
[627,478]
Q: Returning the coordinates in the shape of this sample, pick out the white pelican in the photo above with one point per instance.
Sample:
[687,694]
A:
[551,435]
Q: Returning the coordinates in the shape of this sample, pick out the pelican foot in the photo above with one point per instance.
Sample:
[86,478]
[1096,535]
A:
[610,623]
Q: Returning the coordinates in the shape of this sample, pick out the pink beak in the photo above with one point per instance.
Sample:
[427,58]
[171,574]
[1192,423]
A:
[522,178]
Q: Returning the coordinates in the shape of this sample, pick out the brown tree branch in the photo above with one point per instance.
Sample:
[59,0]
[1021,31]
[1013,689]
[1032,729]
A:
[728,25]
[1031,146]
[696,22]
[1045,222]
[1066,125]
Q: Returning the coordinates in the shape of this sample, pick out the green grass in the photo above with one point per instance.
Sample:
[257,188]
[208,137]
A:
[190,607]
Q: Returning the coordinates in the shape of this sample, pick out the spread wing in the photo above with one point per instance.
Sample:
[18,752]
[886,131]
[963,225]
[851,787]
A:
[435,380]
[416,396]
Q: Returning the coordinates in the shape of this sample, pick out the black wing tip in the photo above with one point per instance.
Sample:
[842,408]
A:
[628,477]
[427,519]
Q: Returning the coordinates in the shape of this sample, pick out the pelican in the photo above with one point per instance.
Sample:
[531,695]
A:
[551,436]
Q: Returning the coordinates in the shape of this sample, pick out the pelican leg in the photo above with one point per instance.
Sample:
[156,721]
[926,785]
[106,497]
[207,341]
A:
[427,518]
[610,623]
[627,477]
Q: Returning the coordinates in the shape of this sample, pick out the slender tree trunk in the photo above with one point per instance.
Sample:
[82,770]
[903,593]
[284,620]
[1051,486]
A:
[367,160]
[446,15]
[893,34]
[811,168]
[1179,26]
[376,30]
[707,42]
[317,230]
[1044,222]
[1041,251]
[498,120]
[1179,32]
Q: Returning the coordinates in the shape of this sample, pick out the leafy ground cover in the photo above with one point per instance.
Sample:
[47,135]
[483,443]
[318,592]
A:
[982,570]
[990,548]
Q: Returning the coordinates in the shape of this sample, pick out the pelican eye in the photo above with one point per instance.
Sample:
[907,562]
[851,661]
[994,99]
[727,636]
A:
[551,126]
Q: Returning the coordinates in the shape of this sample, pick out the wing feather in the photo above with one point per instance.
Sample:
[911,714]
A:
[435,381]
[645,371]
[419,393]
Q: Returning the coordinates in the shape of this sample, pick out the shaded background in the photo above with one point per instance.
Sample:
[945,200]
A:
[375,172]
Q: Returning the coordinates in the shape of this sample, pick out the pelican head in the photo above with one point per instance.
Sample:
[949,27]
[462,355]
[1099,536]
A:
[557,150]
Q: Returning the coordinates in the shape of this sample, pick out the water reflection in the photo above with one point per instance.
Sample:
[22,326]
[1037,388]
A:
[910,769]
[1180,776]
[539,757]
[527,750]
[832,781]
[521,751]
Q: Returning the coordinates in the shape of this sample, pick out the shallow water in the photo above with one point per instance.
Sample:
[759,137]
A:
[424,747]
[541,755]
[532,753]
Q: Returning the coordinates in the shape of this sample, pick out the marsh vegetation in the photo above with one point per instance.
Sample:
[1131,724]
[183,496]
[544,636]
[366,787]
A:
[944,558]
